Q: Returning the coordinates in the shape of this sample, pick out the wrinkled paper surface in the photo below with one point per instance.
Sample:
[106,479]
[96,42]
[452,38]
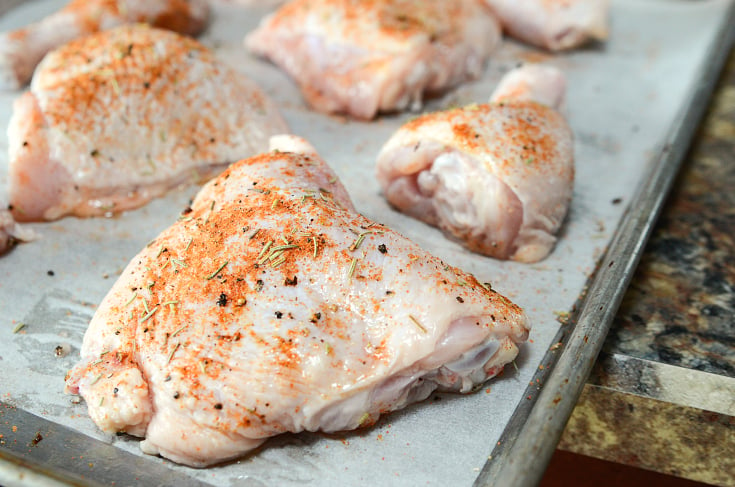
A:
[624,96]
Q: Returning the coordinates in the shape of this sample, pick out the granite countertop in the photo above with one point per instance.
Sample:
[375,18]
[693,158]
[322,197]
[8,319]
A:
[662,394]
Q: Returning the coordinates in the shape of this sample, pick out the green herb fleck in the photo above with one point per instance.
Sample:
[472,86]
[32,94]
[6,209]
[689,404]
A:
[214,274]
[351,270]
[148,315]
[172,352]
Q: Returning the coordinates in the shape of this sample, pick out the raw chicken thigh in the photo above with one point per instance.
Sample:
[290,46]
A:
[361,58]
[271,306]
[120,117]
[498,177]
[553,24]
[21,50]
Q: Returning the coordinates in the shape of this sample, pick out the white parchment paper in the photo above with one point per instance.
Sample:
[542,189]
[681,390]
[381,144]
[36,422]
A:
[623,98]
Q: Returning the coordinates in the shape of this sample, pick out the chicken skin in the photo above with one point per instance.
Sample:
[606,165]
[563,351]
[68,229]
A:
[120,117]
[533,83]
[271,306]
[21,50]
[364,57]
[497,177]
[553,24]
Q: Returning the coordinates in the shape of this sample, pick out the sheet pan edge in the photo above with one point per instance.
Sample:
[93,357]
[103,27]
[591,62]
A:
[525,448]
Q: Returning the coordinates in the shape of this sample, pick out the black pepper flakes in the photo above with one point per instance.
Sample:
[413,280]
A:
[382,249]
[222,301]
[291,282]
[279,315]
[218,406]
[176,395]
[459,299]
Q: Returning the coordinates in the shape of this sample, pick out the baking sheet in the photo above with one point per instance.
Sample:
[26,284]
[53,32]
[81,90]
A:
[624,98]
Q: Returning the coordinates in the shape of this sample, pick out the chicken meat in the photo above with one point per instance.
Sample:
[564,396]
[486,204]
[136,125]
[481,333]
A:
[364,57]
[538,83]
[498,177]
[21,50]
[122,116]
[274,307]
[553,24]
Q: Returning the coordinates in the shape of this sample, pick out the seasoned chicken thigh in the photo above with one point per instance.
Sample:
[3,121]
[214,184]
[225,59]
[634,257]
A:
[553,24]
[364,57]
[21,50]
[120,117]
[498,177]
[274,307]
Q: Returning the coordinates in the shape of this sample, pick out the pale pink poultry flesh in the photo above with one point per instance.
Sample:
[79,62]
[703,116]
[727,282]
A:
[497,177]
[122,116]
[274,307]
[21,50]
[361,58]
[553,24]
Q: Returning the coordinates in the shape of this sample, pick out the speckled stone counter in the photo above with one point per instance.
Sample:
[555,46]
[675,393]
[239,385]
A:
[662,394]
